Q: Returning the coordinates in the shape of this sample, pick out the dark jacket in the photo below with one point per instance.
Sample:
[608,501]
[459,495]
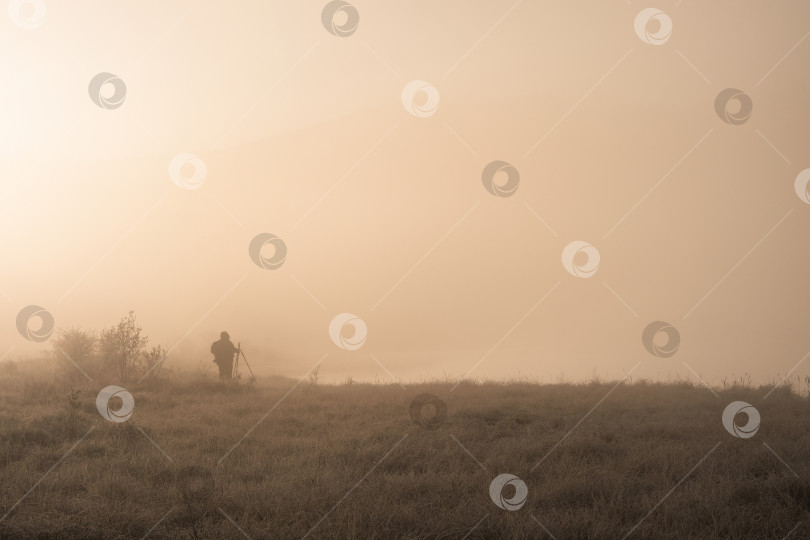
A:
[223,350]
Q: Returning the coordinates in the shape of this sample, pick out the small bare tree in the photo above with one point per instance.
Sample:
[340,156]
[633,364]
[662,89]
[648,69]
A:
[123,346]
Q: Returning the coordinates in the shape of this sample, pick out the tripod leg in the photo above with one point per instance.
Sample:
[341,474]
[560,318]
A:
[246,363]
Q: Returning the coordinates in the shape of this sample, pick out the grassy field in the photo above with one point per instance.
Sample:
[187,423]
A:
[201,459]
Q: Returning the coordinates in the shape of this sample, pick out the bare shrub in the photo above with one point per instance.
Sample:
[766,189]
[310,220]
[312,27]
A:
[71,413]
[151,362]
[123,347]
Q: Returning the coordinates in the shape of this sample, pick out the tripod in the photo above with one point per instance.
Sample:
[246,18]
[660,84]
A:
[240,352]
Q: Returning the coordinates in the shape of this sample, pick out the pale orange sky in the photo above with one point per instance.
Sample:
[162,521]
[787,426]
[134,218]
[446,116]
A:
[304,135]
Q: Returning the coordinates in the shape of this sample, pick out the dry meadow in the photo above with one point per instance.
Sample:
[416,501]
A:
[275,459]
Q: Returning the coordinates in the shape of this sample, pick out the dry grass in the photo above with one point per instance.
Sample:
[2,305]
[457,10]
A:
[331,461]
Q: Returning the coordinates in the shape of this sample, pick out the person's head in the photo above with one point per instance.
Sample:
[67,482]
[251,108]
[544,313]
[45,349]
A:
[224,335]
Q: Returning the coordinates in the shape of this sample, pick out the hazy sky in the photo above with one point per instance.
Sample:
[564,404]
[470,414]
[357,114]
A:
[384,214]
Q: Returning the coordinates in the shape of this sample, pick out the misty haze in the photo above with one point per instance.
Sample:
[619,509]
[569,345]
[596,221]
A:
[346,269]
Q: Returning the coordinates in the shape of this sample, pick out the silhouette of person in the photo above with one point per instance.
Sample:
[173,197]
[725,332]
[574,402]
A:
[223,351]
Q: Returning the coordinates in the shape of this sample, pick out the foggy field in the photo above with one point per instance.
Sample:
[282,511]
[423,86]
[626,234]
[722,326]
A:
[476,216]
[348,462]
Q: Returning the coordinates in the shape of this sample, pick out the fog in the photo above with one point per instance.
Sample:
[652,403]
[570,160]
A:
[384,214]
